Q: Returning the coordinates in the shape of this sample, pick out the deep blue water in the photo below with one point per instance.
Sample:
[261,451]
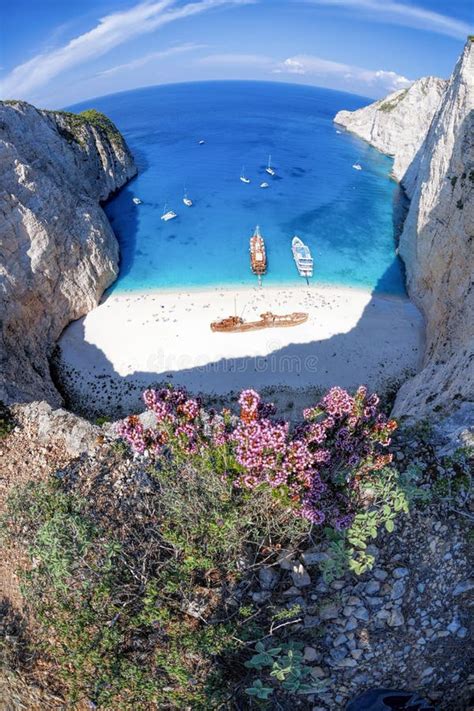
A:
[345,216]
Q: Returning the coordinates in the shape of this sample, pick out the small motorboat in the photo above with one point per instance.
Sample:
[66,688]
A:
[236,324]
[201,142]
[338,132]
[264,185]
[357,166]
[168,215]
[137,201]
[243,177]
[271,171]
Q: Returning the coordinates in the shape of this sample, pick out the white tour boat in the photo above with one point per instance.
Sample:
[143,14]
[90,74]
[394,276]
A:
[264,185]
[137,201]
[357,166]
[243,177]
[269,169]
[168,215]
[302,257]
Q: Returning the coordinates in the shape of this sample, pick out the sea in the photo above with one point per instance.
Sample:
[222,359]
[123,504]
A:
[349,218]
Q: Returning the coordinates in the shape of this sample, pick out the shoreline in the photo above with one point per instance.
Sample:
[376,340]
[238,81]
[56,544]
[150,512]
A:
[132,341]
[320,286]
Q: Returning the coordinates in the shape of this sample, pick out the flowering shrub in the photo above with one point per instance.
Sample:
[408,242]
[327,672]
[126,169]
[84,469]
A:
[318,469]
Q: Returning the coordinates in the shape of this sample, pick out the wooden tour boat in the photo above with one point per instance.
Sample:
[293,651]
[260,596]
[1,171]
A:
[236,324]
[258,257]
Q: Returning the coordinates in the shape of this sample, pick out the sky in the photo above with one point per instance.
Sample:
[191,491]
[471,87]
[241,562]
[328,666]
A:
[55,53]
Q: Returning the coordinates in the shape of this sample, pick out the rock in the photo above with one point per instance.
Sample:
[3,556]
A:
[329,612]
[374,601]
[361,613]
[400,573]
[313,557]
[347,662]
[372,587]
[380,574]
[396,618]
[300,577]
[340,639]
[351,624]
[462,632]
[268,578]
[463,587]
[77,435]
[261,597]
[354,601]
[58,251]
[311,621]
[453,626]
[311,654]
[291,592]
[285,559]
[398,590]
[338,654]
[427,672]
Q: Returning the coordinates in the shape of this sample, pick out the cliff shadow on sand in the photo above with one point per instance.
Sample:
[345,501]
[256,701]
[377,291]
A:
[380,350]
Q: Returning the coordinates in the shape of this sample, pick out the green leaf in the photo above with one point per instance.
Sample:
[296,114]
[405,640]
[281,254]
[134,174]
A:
[390,526]
[258,690]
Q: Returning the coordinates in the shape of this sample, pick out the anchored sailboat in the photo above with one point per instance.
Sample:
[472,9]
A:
[243,177]
[168,215]
[187,201]
[269,169]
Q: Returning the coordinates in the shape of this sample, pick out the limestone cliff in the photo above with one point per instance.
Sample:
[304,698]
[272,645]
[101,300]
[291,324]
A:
[437,243]
[397,124]
[57,250]
[437,246]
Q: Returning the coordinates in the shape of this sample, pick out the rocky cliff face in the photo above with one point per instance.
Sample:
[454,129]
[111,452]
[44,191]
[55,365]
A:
[57,250]
[398,124]
[437,246]
[437,243]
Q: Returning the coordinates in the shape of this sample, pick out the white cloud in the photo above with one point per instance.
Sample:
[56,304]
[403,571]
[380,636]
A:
[258,61]
[150,57]
[407,15]
[311,66]
[110,32]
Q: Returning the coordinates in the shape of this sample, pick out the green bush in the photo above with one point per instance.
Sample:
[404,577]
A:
[142,603]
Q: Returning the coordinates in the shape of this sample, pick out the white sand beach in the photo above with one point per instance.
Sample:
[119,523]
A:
[131,341]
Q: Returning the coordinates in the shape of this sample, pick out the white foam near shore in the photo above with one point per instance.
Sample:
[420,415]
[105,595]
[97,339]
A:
[133,340]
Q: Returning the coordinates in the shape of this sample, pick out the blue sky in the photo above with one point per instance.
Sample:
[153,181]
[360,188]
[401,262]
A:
[57,52]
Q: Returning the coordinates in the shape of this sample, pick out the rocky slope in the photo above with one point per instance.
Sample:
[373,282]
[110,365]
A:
[437,244]
[57,250]
[397,124]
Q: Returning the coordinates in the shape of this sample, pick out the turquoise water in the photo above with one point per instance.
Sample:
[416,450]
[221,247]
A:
[344,215]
